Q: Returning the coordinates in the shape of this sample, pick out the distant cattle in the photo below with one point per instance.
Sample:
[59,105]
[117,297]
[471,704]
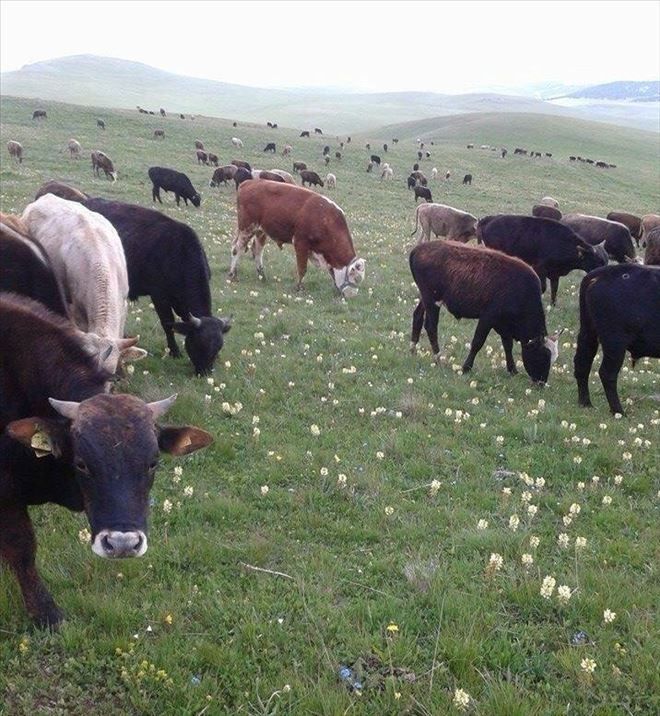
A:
[222,175]
[15,150]
[368,146]
[285,175]
[375,159]
[269,124]
[619,308]
[572,159]
[422,192]
[502,292]
[317,130]
[100,124]
[304,134]
[270,147]
[198,144]
[326,159]
[441,220]
[419,177]
[504,153]
[602,165]
[385,148]
[182,116]
[159,134]
[103,161]
[202,157]
[326,149]
[237,142]
[39,114]
[174,181]
[213,159]
[519,150]
[618,242]
[415,167]
[73,145]
[331,181]
[338,156]
[634,223]
[420,155]
[470,146]
[64,440]
[311,178]
[652,253]
[649,222]
[546,212]
[467,179]
[241,164]
[549,247]
[434,173]
[162,112]
[299,166]
[348,140]
[549,201]
[387,174]
[370,166]
[242,174]
[284,213]
[268,175]
[234,124]
[287,150]
[448,176]
[395,140]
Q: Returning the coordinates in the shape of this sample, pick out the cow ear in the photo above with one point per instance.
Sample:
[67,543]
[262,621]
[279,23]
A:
[185,329]
[183,440]
[36,433]
[132,354]
[227,323]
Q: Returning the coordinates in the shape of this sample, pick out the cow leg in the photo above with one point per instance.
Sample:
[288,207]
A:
[18,548]
[431,325]
[554,285]
[258,244]
[166,316]
[155,194]
[178,199]
[507,344]
[240,243]
[302,256]
[609,372]
[479,338]
[417,323]
[587,347]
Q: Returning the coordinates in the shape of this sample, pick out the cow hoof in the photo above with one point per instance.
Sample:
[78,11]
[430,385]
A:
[49,618]
[176,353]
[513,371]
[466,368]
[413,349]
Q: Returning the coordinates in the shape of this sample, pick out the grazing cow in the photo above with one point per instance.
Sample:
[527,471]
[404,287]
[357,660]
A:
[241,164]
[64,440]
[445,221]
[618,242]
[331,181]
[287,150]
[73,145]
[375,159]
[326,159]
[634,223]
[269,124]
[100,123]
[39,114]
[304,134]
[420,155]
[546,212]
[448,176]
[504,153]
[467,179]
[159,134]
[422,192]
[25,267]
[326,150]
[237,142]
[198,144]
[176,182]
[315,226]
[419,177]
[298,167]
[288,179]
[549,247]
[182,116]
[312,178]
[268,175]
[151,112]
[548,154]
[434,173]
[652,254]
[202,157]
[317,131]
[395,141]
[88,260]
[649,222]
[471,146]
[411,182]
[572,159]
[338,156]
[387,174]
[385,148]
[64,191]
[223,175]
[270,147]
[242,174]
[619,308]
[103,161]
[370,166]
[502,292]
[368,146]
[589,161]
[602,165]
[213,159]
[15,150]
[348,140]
[162,112]
[549,201]
[427,155]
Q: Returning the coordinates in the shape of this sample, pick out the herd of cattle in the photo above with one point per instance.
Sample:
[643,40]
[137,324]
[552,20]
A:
[70,263]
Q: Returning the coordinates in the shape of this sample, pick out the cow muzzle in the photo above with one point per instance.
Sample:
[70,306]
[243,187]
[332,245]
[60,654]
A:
[348,279]
[113,544]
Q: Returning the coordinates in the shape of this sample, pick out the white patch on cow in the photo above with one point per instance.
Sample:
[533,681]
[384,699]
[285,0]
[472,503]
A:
[333,203]
[112,544]
[320,261]
[553,347]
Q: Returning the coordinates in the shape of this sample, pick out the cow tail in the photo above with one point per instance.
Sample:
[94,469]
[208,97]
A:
[416,221]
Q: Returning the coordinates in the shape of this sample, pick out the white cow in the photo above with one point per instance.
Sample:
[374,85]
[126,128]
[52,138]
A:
[236,142]
[74,148]
[434,173]
[89,263]
[387,174]
[331,181]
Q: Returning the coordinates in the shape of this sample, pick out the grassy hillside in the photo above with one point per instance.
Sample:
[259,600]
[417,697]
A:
[385,521]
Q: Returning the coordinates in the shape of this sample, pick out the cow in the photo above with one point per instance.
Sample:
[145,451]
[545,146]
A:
[619,308]
[64,191]
[331,181]
[199,144]
[241,164]
[549,201]
[298,167]
[182,116]
[25,267]
[223,175]
[103,161]
[548,246]
[267,175]
[618,242]
[448,176]
[73,145]
[159,134]
[427,155]
[176,182]
[326,159]
[471,146]
[546,212]
[313,224]
[395,140]
[162,112]
[434,173]
[213,159]
[64,440]
[237,142]
[338,155]
[422,192]
[419,177]
[387,174]
[652,254]
[317,130]
[287,150]
[411,182]
[420,155]
[202,157]
[385,148]
[242,174]
[634,223]
[368,146]
[100,124]
[39,114]
[445,221]
[504,152]
[304,133]
[312,178]
[467,179]
[326,150]
[285,175]
[602,165]
[269,124]
[572,158]
[15,150]
[375,159]
[270,147]
[649,222]
[501,291]
[88,261]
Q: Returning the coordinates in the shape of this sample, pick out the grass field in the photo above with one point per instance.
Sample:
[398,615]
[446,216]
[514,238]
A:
[384,489]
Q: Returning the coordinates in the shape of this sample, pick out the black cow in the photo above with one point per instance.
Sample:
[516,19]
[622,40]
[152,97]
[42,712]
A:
[177,182]
[619,307]
[501,291]
[385,148]
[166,261]
[242,174]
[162,112]
[420,155]
[317,131]
[422,192]
[304,134]
[546,212]
[594,230]
[100,124]
[338,155]
[270,147]
[467,179]
[549,247]
[375,159]
[68,442]
[312,178]
[326,150]
[634,223]
[39,114]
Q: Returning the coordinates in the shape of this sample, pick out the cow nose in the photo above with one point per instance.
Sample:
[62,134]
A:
[115,544]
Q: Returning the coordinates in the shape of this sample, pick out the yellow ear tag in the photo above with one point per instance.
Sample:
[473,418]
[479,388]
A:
[41,444]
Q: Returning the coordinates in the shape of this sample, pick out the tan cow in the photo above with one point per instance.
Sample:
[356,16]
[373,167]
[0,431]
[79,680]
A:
[15,150]
[285,175]
[312,223]
[73,145]
[652,255]
[442,220]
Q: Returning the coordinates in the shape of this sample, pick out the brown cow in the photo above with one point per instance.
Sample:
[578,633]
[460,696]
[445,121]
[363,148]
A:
[544,211]
[159,134]
[198,144]
[649,221]
[314,224]
[202,157]
[223,175]
[64,191]
[103,161]
[15,150]
[213,159]
[299,166]
[634,223]
[652,255]
[445,221]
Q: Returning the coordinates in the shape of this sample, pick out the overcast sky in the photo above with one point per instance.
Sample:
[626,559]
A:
[377,46]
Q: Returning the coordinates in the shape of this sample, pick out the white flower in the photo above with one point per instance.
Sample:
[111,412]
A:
[564,593]
[595,479]
[323,471]
[567,519]
[534,541]
[499,439]
[315,430]
[256,432]
[84,536]
[495,562]
[580,542]
[548,587]
[389,510]
[341,481]
[607,500]
[255,420]
[482,524]
[526,496]
[563,540]
[188,490]
[609,616]
[435,486]
[264,489]
[527,560]
[514,521]
[588,665]
[532,510]
[380,455]
[574,509]
[167,507]
[580,486]
[618,479]
[178,471]
[461,699]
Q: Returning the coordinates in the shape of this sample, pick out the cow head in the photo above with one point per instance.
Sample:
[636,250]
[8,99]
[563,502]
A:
[109,352]
[347,279]
[204,339]
[196,199]
[538,355]
[592,257]
[112,443]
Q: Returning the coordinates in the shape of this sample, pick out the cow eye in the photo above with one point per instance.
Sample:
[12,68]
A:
[81,466]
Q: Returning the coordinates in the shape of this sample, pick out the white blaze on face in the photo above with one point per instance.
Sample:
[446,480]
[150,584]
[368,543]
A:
[552,345]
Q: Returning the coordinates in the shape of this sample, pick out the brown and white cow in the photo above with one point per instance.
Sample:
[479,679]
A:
[442,220]
[313,224]
[73,145]
[103,161]
[15,150]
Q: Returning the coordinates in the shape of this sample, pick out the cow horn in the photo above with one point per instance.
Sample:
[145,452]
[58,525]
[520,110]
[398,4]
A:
[66,408]
[124,343]
[160,407]
[197,322]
